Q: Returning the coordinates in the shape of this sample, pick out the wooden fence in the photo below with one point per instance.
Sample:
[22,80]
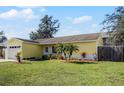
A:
[110,53]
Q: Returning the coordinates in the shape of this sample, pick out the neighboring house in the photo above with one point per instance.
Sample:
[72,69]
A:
[87,44]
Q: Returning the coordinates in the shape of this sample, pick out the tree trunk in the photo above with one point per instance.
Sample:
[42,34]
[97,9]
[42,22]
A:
[65,56]
[70,55]
[19,60]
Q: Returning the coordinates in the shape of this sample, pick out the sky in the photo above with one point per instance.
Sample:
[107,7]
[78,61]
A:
[19,21]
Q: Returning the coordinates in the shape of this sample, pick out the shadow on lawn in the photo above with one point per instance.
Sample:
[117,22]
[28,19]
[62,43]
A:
[78,62]
[23,62]
[27,63]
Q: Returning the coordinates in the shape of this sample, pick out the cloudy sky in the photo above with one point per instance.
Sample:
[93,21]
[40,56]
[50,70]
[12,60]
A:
[20,21]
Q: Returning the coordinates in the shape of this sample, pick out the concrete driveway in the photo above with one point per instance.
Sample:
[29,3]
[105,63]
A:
[6,60]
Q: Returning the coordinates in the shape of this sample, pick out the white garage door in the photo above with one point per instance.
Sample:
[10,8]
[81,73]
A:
[13,51]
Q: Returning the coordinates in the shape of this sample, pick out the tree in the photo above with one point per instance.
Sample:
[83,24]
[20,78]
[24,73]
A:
[1,32]
[2,37]
[61,49]
[66,49]
[33,35]
[114,24]
[70,49]
[47,28]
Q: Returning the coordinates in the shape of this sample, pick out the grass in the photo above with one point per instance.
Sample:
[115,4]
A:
[54,72]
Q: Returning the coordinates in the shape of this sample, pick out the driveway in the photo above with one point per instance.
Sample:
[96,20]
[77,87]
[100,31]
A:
[6,60]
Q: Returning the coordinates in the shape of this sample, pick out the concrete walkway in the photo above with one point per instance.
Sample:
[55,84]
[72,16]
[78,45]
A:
[6,60]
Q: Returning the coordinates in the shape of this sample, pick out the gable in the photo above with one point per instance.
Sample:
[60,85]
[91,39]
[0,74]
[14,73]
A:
[14,42]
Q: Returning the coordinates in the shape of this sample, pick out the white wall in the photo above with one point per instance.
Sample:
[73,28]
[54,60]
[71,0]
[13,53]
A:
[78,56]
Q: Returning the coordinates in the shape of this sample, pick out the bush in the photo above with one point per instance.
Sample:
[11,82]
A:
[32,59]
[29,58]
[24,59]
[50,56]
[18,57]
[61,57]
[54,56]
[83,54]
[45,57]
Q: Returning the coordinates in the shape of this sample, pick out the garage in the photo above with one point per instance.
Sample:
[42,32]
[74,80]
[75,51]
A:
[12,51]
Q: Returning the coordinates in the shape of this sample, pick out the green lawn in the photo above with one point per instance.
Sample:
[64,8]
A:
[58,73]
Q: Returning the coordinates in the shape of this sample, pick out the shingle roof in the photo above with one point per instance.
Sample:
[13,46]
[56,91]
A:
[69,39]
[25,40]
[64,39]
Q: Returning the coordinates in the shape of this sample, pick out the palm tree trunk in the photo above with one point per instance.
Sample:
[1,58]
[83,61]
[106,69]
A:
[70,55]
[65,56]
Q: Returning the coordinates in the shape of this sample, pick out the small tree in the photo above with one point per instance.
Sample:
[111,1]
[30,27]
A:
[71,49]
[2,37]
[61,49]
[18,56]
[66,49]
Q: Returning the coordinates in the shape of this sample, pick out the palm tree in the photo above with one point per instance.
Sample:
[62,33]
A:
[61,49]
[66,49]
[71,49]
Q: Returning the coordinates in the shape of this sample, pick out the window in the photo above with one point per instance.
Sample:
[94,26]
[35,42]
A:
[46,49]
[14,46]
[18,46]
[53,49]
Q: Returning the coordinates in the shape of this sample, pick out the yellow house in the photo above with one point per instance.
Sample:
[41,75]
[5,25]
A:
[87,44]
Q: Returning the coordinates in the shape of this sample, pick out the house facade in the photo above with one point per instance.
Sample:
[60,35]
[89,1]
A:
[87,44]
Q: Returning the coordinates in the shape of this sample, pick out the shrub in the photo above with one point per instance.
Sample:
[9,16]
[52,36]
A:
[24,58]
[83,54]
[54,56]
[18,57]
[50,56]
[61,57]
[32,58]
[45,57]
